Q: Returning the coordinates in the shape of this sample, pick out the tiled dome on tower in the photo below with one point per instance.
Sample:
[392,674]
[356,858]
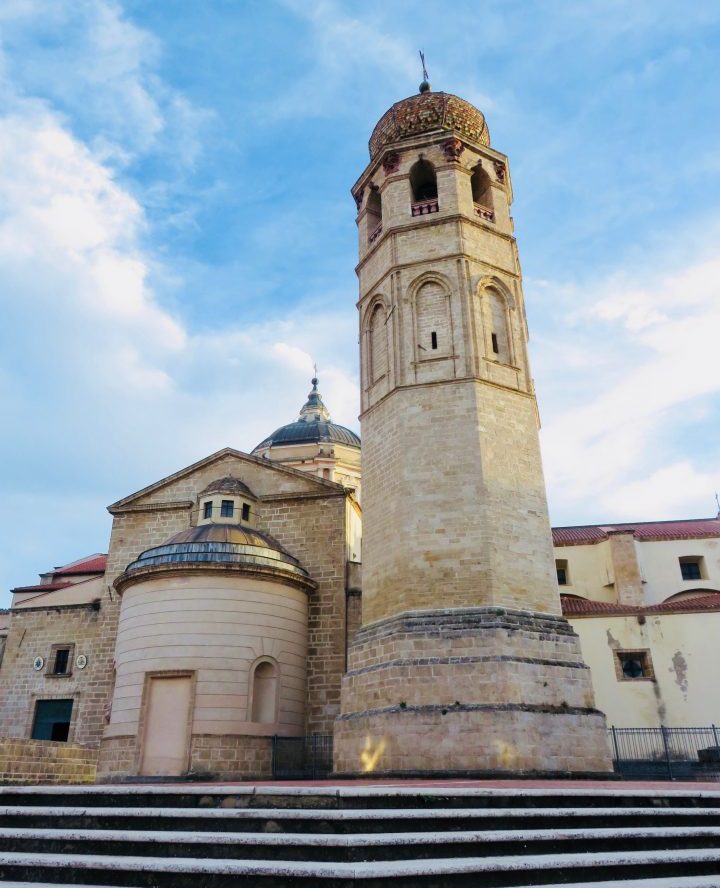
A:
[428,112]
[315,444]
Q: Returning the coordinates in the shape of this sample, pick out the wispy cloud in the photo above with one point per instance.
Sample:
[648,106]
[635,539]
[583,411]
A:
[641,352]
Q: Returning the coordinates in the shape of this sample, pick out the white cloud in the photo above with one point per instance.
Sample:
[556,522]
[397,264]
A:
[612,436]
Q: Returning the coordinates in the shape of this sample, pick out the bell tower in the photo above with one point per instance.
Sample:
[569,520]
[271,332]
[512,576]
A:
[464,662]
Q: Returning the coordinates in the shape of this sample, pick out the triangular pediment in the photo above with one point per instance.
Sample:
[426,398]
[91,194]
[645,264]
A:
[262,476]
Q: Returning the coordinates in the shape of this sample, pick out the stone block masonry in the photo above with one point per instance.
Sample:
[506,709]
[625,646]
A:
[469,691]
[41,761]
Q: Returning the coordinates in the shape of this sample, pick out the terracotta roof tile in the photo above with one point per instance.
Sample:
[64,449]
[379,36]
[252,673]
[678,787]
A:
[572,606]
[90,564]
[43,587]
[692,529]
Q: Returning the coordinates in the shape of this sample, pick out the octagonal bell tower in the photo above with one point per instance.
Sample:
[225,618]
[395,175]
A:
[464,662]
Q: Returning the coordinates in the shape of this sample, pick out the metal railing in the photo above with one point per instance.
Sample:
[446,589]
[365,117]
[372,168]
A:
[302,758]
[638,754]
[666,753]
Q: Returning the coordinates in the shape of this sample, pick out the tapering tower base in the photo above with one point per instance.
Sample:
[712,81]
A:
[469,691]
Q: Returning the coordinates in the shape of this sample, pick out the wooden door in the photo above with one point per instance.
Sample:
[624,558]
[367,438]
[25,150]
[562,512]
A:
[166,726]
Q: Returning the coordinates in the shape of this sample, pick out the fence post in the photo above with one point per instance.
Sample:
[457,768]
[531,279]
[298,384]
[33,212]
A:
[663,731]
[613,732]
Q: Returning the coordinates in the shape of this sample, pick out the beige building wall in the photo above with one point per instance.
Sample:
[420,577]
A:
[215,627]
[660,567]
[685,658]
[589,571]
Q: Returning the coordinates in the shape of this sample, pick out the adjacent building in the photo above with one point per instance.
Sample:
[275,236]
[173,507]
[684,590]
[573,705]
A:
[645,600]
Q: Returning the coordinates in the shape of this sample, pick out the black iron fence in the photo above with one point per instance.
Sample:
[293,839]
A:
[666,753]
[302,758]
[638,753]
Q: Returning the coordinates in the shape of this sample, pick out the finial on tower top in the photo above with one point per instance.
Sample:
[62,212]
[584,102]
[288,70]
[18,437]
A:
[425,85]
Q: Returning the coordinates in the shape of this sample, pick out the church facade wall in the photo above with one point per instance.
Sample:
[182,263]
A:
[88,630]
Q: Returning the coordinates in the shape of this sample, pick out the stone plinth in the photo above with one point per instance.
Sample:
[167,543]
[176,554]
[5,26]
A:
[476,690]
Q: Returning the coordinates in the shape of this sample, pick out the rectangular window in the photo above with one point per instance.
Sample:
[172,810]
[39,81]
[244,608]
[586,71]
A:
[227,508]
[634,666]
[691,568]
[62,661]
[433,339]
[495,343]
[207,509]
[561,566]
[52,720]
[246,512]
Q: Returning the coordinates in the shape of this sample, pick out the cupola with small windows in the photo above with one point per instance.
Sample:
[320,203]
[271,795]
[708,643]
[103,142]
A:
[226,501]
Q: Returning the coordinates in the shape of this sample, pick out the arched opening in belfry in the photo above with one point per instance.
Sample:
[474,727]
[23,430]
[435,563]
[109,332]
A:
[264,690]
[423,181]
[499,329]
[481,189]
[378,344]
[374,213]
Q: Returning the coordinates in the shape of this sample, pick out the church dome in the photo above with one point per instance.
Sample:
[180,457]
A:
[220,544]
[312,427]
[426,112]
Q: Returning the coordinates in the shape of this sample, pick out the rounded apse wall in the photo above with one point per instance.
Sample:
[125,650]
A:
[236,636]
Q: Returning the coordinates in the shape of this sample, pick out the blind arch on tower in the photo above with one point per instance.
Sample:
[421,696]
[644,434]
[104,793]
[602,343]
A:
[496,304]
[433,328]
[377,336]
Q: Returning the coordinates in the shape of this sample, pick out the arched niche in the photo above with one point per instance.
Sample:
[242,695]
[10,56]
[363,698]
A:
[264,687]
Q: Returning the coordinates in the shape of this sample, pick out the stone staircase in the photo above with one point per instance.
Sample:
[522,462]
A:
[213,836]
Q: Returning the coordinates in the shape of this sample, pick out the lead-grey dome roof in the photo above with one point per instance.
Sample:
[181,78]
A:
[230,544]
[312,427]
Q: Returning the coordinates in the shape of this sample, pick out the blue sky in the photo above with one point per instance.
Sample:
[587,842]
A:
[177,237]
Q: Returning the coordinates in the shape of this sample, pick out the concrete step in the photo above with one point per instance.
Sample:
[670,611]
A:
[520,870]
[363,797]
[337,837]
[662,882]
[346,821]
[352,848]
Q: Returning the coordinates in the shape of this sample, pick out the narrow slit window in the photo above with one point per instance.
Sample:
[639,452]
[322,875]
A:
[433,339]
[207,509]
[495,347]
[246,512]
[227,508]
